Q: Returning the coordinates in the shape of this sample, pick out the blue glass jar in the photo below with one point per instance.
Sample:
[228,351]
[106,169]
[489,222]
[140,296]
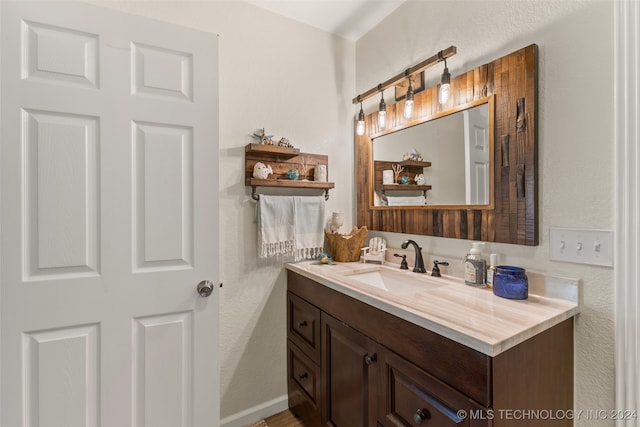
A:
[510,282]
[293,174]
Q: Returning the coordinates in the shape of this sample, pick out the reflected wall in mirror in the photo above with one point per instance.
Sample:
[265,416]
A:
[457,156]
[510,214]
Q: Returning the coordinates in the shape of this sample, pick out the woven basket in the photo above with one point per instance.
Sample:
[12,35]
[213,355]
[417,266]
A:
[347,247]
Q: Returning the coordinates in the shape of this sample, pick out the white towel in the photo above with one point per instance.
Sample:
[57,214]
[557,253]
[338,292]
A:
[290,225]
[406,201]
[275,225]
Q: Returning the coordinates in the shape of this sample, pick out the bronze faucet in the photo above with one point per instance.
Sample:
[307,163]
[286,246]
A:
[419,267]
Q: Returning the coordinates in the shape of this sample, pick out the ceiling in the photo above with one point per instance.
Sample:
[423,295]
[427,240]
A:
[350,19]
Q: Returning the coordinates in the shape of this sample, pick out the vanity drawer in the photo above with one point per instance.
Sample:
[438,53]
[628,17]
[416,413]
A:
[304,373]
[304,326]
[303,385]
[413,397]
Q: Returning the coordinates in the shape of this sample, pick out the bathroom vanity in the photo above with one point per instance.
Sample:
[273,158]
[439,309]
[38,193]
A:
[372,345]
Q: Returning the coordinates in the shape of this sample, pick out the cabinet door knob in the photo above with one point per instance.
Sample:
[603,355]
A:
[370,359]
[420,416]
[303,376]
[302,324]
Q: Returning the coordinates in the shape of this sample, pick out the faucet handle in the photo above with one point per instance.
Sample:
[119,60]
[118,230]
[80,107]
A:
[403,264]
[435,272]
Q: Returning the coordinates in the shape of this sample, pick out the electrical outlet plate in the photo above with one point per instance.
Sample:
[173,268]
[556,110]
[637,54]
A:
[594,247]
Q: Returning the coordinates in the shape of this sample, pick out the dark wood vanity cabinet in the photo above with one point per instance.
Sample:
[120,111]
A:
[351,364]
[348,357]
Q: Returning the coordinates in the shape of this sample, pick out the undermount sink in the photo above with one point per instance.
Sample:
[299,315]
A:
[395,281]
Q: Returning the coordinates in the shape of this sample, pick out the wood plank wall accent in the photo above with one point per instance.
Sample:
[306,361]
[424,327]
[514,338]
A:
[513,80]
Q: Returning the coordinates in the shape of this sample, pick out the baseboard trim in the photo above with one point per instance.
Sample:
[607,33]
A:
[255,413]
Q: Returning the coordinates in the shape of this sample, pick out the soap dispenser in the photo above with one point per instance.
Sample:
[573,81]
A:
[475,266]
[491,269]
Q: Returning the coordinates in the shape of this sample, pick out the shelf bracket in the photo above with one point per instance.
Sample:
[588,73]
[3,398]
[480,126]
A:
[256,196]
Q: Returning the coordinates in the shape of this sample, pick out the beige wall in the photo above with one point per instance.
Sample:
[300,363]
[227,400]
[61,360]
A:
[576,176]
[296,81]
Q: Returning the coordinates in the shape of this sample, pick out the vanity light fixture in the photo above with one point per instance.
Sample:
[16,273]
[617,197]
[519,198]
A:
[382,111]
[408,73]
[445,85]
[360,124]
[408,103]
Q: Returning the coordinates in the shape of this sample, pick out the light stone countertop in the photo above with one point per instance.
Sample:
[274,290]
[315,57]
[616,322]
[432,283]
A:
[474,317]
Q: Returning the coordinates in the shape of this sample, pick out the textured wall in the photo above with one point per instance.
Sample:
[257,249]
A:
[296,81]
[576,176]
[270,67]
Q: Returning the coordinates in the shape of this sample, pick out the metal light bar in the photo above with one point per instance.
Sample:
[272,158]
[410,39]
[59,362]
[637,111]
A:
[393,81]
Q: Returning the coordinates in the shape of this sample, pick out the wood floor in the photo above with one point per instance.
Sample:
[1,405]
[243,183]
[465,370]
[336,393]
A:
[282,419]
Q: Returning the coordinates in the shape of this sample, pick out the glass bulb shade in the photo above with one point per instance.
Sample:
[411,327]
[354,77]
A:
[408,108]
[360,124]
[382,119]
[382,113]
[443,94]
[408,103]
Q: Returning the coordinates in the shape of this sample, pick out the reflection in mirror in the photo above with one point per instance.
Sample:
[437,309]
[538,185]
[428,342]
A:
[453,152]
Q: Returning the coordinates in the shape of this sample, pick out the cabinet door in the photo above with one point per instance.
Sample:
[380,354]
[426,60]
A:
[349,360]
[412,397]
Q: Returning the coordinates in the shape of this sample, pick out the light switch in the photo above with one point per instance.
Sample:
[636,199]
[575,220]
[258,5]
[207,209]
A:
[581,246]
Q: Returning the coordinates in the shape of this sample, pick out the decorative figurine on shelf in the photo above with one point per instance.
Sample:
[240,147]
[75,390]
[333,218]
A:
[404,180]
[293,174]
[284,142]
[413,155]
[397,170]
[264,138]
[419,179]
[262,171]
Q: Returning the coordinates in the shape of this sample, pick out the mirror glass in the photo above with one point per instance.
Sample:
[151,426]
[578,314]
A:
[452,152]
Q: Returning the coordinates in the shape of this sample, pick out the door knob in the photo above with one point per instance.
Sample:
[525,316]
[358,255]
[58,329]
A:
[205,288]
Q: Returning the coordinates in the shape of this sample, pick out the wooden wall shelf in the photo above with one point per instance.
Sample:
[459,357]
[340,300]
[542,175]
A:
[402,187]
[281,160]
[411,169]
[414,163]
[272,150]
[383,188]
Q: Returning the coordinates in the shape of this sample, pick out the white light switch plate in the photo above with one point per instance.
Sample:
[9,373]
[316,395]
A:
[594,247]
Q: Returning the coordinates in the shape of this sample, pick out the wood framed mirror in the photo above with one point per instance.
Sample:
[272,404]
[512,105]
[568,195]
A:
[507,213]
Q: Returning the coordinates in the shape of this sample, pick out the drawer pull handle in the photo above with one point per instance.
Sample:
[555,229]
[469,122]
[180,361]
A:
[303,376]
[370,360]
[420,416]
[302,324]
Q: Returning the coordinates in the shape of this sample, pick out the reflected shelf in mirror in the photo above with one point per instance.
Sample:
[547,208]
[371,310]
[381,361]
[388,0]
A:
[457,143]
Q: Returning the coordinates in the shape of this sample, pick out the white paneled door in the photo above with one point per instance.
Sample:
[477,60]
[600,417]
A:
[476,156]
[109,219]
